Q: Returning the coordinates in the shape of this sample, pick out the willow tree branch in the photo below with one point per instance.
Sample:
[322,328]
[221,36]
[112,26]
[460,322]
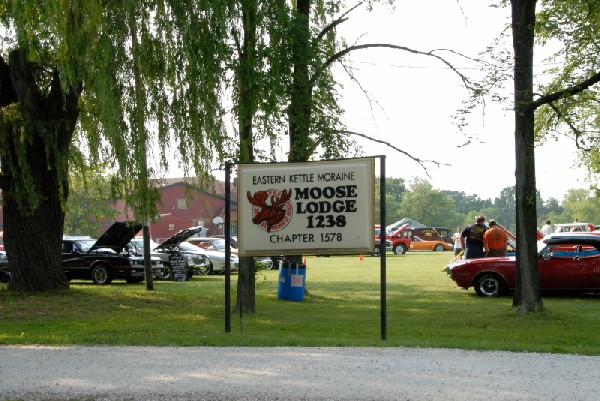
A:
[330,27]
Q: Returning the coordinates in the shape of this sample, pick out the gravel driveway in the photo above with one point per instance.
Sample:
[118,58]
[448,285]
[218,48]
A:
[240,373]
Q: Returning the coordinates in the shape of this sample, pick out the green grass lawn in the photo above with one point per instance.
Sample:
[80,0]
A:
[343,308]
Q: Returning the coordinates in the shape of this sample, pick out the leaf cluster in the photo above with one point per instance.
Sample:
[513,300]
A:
[573,28]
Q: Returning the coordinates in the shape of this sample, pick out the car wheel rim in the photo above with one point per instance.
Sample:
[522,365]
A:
[100,276]
[489,286]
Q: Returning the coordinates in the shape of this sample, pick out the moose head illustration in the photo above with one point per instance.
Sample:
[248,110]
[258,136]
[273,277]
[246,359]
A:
[270,213]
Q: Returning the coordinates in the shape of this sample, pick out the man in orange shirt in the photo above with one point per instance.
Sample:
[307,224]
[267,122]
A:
[495,240]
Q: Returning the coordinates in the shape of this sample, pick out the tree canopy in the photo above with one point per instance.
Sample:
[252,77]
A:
[572,27]
[87,82]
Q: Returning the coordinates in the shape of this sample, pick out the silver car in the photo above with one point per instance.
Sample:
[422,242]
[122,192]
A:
[216,259]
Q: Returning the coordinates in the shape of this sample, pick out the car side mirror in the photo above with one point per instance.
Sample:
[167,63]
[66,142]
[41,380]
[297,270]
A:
[546,253]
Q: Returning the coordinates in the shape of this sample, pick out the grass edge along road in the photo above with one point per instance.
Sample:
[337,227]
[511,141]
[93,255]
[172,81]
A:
[424,309]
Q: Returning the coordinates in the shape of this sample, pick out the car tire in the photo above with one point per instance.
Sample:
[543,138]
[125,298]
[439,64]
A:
[439,248]
[399,249]
[210,270]
[490,285]
[133,280]
[165,274]
[205,269]
[101,275]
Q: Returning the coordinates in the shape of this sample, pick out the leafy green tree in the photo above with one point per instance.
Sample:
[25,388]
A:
[466,203]
[261,68]
[552,210]
[90,204]
[581,204]
[523,12]
[395,190]
[112,69]
[504,206]
[466,207]
[526,101]
[573,28]
[427,205]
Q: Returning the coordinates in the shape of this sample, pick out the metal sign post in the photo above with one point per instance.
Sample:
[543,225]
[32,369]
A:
[227,248]
[382,248]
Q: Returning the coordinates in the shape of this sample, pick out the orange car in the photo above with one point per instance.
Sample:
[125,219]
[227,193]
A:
[420,244]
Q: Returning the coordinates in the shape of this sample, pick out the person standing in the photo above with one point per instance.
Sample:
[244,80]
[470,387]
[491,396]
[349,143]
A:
[471,238]
[547,228]
[457,242]
[495,240]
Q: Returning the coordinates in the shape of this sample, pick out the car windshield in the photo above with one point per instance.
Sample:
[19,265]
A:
[186,246]
[85,245]
[219,245]
[139,245]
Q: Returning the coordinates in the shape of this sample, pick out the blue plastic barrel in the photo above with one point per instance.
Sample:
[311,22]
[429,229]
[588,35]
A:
[292,280]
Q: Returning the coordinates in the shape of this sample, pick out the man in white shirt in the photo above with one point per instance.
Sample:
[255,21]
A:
[457,242]
[547,228]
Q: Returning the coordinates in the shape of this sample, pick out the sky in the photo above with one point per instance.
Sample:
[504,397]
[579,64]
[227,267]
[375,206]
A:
[415,98]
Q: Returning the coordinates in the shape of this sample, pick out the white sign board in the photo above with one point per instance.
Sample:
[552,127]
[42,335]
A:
[324,207]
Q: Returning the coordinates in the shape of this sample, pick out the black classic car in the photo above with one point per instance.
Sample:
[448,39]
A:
[4,273]
[104,259]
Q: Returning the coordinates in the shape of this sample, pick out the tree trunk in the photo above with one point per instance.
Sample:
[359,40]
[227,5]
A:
[527,288]
[300,110]
[35,135]
[301,97]
[246,295]
[33,239]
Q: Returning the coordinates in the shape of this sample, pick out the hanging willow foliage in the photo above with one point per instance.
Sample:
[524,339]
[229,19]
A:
[175,113]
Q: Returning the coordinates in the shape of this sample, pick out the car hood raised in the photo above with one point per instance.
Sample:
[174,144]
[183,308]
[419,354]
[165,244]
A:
[117,236]
[178,238]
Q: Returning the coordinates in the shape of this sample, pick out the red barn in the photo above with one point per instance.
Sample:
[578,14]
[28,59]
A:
[185,205]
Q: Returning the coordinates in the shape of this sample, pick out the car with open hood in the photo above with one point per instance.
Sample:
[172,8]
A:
[216,258]
[104,259]
[566,262]
[171,252]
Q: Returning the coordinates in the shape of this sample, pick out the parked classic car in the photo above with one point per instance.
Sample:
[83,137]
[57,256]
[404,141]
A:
[4,273]
[232,239]
[216,259]
[400,241]
[442,234]
[260,262]
[104,259]
[205,242]
[576,226]
[566,261]
[195,264]
[438,245]
[377,251]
